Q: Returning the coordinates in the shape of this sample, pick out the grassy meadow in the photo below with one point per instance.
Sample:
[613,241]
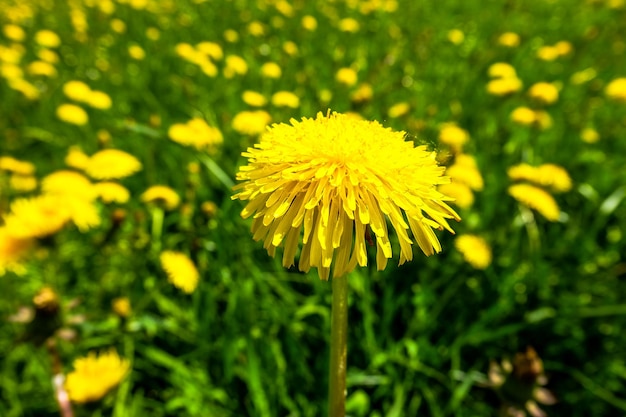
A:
[142,259]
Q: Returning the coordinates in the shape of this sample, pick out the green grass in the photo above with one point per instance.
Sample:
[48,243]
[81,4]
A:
[253,338]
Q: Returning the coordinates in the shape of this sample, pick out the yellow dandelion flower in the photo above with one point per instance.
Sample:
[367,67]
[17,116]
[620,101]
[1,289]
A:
[461,193]
[13,252]
[36,217]
[338,177]
[153,34]
[548,53]
[564,48]
[254,99]
[251,122]
[346,76]
[76,158]
[616,89]
[465,170]
[309,23]
[349,24]
[99,100]
[16,166]
[196,132]
[48,56]
[475,250]
[509,39]
[271,70]
[41,68]
[112,192]
[555,177]
[118,26]
[524,116]
[583,76]
[537,199]
[290,48]
[95,375]
[27,89]
[68,182]
[285,99]
[453,136]
[209,208]
[14,32]
[235,65]
[399,110]
[163,195]
[136,52]
[589,135]
[543,92]
[456,36]
[76,90]
[112,164]
[73,114]
[504,86]
[22,183]
[121,306]
[47,38]
[363,93]
[256,28]
[543,118]
[501,70]
[231,35]
[11,72]
[12,55]
[83,212]
[181,271]
[211,49]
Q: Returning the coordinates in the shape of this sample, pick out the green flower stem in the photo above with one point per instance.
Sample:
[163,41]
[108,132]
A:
[338,348]
[157,227]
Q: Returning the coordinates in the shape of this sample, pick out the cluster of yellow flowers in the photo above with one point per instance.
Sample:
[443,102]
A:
[549,176]
[197,133]
[504,80]
[552,52]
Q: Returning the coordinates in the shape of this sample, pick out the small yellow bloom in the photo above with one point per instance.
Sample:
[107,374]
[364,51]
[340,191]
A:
[548,53]
[13,252]
[235,65]
[161,194]
[454,136]
[285,99]
[95,375]
[399,110]
[502,70]
[99,100]
[66,182]
[181,271]
[465,170]
[16,166]
[136,52]
[211,49]
[112,164]
[112,192]
[14,32]
[564,48]
[22,183]
[543,92]
[363,93]
[523,116]
[196,132]
[589,135]
[153,34]
[583,76]
[48,56]
[36,217]
[253,98]
[509,39]
[209,208]
[616,89]
[537,199]
[47,38]
[349,24]
[11,72]
[461,193]
[346,76]
[12,55]
[475,250]
[504,86]
[118,26]
[290,48]
[548,175]
[231,35]
[76,158]
[73,114]
[251,122]
[256,28]
[309,23]
[121,306]
[76,90]
[456,36]
[271,70]
[27,89]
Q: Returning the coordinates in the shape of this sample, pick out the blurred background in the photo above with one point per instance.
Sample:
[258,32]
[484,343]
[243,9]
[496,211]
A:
[129,281]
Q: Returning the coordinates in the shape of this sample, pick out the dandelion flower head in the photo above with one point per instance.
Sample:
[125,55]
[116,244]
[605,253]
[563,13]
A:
[112,164]
[251,122]
[161,194]
[181,271]
[333,178]
[616,89]
[95,375]
[475,250]
[536,198]
[12,252]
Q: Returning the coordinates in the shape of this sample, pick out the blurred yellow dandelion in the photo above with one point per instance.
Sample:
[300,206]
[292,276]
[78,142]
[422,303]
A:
[196,132]
[537,199]
[364,92]
[22,183]
[475,250]
[461,194]
[112,164]
[161,195]
[543,92]
[271,70]
[616,89]
[95,375]
[153,34]
[13,252]
[121,306]
[16,166]
[99,100]
[112,192]
[564,48]
[76,158]
[118,26]
[589,135]
[336,177]
[136,52]
[14,32]
[524,116]
[47,38]
[27,89]
[73,114]
[399,110]
[456,36]
[76,90]
[290,48]
[501,70]
[285,99]
[548,175]
[231,35]
[68,182]
[253,98]
[465,170]
[211,49]
[48,56]
[36,217]
[583,76]
[256,28]
[235,65]
[509,39]
[349,24]
[41,68]
[309,23]
[548,53]
[504,86]
[251,122]
[453,136]
[181,271]
[346,76]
